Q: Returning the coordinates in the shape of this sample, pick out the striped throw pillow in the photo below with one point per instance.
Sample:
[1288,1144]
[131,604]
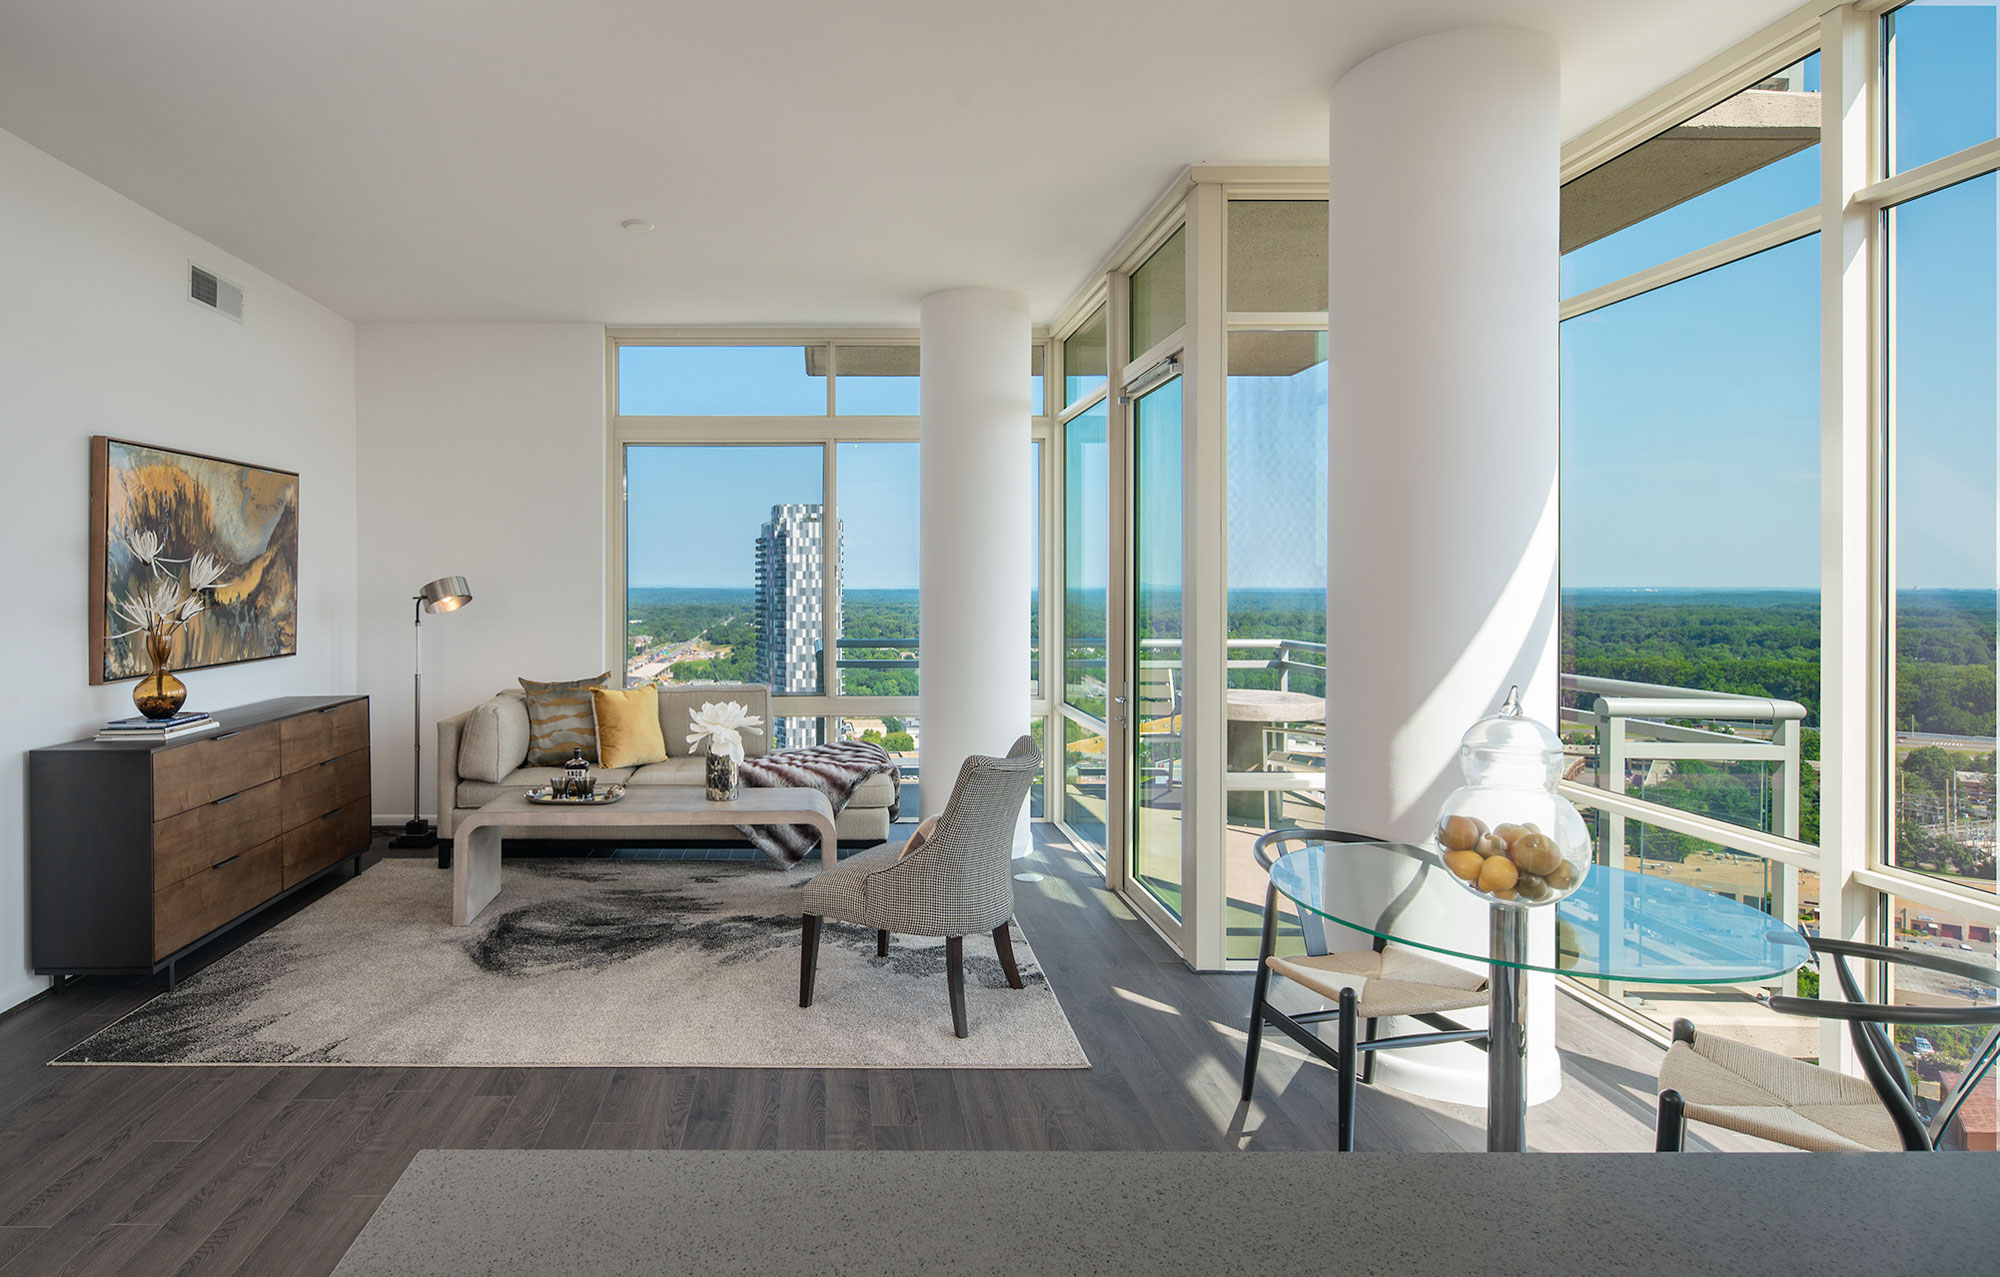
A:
[560,719]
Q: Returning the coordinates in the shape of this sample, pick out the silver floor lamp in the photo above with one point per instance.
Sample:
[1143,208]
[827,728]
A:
[446,594]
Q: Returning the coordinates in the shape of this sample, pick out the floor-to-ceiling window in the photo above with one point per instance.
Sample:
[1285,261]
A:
[1149,672]
[1084,656]
[1159,676]
[1779,386]
[766,504]
[1691,503]
[1938,232]
[1276,455]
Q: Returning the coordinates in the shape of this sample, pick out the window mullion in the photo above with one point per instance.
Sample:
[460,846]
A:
[1853,599]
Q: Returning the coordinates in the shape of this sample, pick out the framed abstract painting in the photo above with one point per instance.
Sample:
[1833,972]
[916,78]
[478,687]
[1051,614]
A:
[160,516]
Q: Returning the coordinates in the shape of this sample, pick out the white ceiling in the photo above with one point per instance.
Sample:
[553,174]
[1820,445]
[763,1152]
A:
[830,162]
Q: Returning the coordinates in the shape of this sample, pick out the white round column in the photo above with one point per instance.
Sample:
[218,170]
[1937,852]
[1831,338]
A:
[1442,454]
[977,534]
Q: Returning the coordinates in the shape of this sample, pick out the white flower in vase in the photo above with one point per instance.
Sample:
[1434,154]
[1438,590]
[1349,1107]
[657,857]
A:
[721,726]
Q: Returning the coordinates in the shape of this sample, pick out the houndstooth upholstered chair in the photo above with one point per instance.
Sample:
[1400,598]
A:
[958,883]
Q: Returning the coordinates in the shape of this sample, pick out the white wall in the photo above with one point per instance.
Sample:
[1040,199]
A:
[97,337]
[481,453]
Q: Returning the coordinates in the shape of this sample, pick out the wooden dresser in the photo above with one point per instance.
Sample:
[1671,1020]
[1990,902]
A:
[137,853]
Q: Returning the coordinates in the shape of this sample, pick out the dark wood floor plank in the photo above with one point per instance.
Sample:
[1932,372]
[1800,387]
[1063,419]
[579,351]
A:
[529,1108]
[114,1250]
[575,1108]
[62,1157]
[848,1125]
[312,1240]
[15,1240]
[82,1229]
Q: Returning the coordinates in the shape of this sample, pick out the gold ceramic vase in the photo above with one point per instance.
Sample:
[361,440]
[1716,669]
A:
[159,694]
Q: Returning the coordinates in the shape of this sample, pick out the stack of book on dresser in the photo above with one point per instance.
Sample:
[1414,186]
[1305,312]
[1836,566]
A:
[155,730]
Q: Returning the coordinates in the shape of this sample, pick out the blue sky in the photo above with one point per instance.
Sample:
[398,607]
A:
[693,513]
[1691,413]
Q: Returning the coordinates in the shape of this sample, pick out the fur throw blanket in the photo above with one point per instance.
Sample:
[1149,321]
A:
[836,770]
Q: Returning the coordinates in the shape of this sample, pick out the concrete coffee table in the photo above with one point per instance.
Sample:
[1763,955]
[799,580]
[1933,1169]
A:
[475,868]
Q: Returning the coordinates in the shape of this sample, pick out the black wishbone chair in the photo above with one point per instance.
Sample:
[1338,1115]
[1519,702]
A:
[1778,1098]
[1365,985]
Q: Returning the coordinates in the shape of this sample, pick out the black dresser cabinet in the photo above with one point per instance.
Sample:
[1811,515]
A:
[138,853]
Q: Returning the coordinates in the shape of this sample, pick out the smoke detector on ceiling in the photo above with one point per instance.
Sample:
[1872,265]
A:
[206,288]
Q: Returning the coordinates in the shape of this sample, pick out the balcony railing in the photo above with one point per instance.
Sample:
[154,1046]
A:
[1648,723]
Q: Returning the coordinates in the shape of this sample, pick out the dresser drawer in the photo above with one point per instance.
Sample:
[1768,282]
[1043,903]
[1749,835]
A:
[201,771]
[312,793]
[189,843]
[312,738]
[195,906]
[318,843]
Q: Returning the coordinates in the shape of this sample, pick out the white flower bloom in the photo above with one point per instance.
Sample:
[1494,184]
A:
[138,609]
[145,545]
[204,571]
[190,608]
[722,727]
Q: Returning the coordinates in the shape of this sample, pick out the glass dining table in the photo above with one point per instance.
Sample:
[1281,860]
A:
[1619,925]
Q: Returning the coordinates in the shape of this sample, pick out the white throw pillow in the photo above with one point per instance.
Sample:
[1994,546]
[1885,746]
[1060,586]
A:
[493,740]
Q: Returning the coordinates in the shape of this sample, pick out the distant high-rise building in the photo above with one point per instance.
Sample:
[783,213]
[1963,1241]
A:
[791,611]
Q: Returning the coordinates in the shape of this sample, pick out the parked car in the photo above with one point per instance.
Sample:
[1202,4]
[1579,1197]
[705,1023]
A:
[1920,1045]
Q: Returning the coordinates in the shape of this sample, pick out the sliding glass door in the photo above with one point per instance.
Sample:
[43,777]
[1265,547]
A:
[1157,682]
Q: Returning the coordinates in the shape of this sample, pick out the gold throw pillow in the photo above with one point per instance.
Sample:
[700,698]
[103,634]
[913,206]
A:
[628,726]
[560,720]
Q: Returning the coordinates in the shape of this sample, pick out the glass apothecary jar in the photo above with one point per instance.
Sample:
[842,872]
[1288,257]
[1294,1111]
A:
[1507,836]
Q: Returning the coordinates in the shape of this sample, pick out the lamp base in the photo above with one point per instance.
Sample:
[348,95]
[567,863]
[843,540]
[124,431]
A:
[416,834]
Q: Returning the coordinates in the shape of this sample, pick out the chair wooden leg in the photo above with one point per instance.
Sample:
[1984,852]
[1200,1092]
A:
[881,943]
[808,957]
[1348,1070]
[1368,1059]
[1003,944]
[1670,1133]
[954,973]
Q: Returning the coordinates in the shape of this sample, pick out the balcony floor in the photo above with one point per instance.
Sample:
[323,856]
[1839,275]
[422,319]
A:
[276,1169]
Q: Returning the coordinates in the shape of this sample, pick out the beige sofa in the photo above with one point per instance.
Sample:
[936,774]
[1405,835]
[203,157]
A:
[482,754]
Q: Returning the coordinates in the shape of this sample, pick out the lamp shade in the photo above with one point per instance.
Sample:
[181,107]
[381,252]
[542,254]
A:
[446,594]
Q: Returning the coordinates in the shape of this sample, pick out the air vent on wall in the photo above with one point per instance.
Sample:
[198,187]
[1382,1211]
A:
[206,288]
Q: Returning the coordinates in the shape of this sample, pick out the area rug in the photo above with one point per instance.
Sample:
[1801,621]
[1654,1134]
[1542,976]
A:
[588,962]
[506,1213]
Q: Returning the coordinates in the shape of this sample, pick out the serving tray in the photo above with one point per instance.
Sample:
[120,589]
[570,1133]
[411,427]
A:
[603,797]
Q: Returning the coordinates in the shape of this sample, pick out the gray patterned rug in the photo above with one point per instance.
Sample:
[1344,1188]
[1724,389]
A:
[587,962]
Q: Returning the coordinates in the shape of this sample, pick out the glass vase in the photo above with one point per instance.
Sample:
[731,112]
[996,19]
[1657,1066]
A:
[159,694]
[725,779]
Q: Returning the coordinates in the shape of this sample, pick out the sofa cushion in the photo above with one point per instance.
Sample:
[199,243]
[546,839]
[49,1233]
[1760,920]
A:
[876,791]
[493,740]
[675,771]
[560,720]
[678,700]
[478,793]
[628,725]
